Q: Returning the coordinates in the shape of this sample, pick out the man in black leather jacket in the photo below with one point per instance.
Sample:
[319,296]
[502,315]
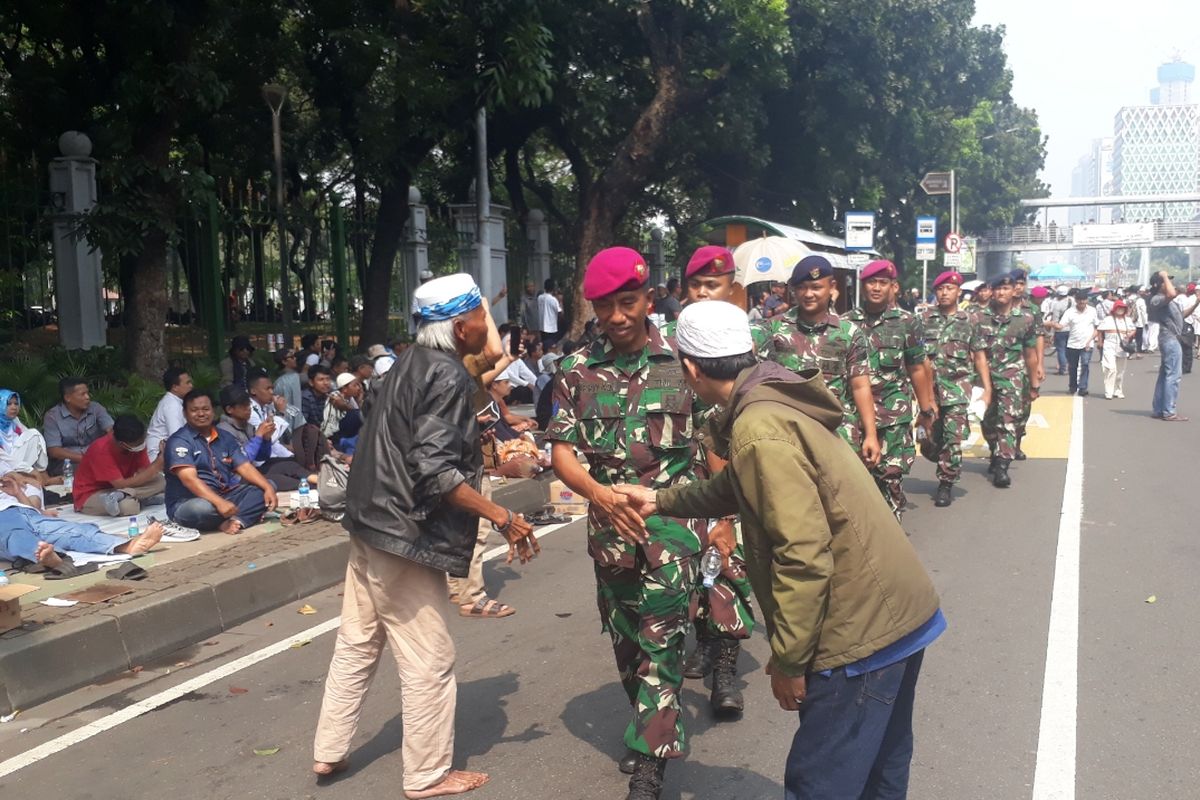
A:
[412,505]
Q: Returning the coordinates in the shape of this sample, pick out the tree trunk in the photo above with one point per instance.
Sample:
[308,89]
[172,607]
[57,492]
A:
[145,342]
[377,292]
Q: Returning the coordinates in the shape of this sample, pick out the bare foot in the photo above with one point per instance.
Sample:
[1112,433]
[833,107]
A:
[231,526]
[324,769]
[456,782]
[144,541]
[44,554]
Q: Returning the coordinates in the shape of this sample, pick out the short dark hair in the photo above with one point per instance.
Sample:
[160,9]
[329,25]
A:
[724,368]
[328,343]
[549,284]
[128,429]
[308,340]
[172,377]
[360,361]
[233,395]
[319,369]
[68,384]
[256,376]
[339,360]
[195,394]
[672,284]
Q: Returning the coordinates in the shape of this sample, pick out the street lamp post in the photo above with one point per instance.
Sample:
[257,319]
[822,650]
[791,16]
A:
[275,94]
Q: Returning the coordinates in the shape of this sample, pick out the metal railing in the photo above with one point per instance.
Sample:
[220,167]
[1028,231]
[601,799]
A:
[1036,234]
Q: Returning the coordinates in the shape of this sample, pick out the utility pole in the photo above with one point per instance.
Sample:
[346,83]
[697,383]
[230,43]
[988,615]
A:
[275,94]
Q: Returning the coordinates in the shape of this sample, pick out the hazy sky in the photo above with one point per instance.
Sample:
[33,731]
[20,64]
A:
[1078,62]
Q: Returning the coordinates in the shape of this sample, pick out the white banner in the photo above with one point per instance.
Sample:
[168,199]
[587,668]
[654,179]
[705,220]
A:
[1117,235]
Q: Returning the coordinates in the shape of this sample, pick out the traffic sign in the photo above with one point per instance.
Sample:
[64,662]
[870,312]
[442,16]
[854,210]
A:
[953,243]
[926,230]
[860,230]
[952,259]
[937,183]
[926,251]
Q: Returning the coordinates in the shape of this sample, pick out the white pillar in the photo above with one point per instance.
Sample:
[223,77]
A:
[1144,267]
[657,259]
[493,275]
[79,281]
[537,231]
[414,251]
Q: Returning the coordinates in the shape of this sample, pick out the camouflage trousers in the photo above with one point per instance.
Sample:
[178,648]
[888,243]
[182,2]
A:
[724,611]
[945,448]
[1002,419]
[646,613]
[897,453]
[1026,409]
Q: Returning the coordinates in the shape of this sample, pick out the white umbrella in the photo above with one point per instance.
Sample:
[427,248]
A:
[770,258]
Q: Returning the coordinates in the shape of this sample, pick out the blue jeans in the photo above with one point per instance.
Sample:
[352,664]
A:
[1166,388]
[1060,348]
[1080,365]
[22,528]
[203,516]
[855,739]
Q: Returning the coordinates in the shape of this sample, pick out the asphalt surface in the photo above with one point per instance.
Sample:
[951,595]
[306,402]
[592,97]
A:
[540,709]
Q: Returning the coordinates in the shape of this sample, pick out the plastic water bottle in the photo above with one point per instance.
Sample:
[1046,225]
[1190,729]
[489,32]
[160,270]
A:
[302,492]
[3,579]
[68,475]
[133,527]
[710,566]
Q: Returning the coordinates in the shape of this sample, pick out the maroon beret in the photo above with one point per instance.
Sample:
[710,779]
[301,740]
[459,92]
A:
[949,276]
[712,259]
[614,269]
[879,269]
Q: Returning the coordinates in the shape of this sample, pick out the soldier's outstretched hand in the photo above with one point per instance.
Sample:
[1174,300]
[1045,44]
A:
[642,500]
[624,518]
[522,544]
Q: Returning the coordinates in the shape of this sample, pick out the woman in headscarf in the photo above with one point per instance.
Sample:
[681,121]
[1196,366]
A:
[22,449]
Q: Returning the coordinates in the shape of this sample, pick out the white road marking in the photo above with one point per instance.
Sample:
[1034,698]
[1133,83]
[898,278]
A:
[1054,773]
[159,700]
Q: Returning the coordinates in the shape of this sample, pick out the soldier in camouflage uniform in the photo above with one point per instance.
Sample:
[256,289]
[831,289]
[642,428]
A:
[624,403]
[897,355]
[811,336]
[1012,359]
[1034,311]
[957,348]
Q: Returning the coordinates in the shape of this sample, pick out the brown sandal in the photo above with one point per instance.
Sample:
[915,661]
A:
[487,608]
[301,516]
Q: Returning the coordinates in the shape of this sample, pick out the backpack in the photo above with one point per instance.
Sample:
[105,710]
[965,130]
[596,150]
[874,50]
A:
[332,478]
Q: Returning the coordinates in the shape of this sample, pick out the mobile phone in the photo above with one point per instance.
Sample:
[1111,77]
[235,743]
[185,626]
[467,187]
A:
[488,417]
[514,343]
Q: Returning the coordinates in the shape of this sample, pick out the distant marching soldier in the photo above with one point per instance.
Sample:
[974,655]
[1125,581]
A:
[957,347]
[1033,310]
[1012,359]
[898,371]
[624,403]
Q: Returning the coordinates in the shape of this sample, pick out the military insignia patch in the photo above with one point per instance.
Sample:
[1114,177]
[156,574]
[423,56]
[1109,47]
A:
[640,269]
[814,273]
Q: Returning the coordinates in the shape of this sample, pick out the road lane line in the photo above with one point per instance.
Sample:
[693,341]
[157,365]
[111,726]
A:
[110,721]
[1054,773]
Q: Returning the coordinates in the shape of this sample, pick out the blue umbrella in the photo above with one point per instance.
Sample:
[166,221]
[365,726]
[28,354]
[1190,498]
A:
[1058,272]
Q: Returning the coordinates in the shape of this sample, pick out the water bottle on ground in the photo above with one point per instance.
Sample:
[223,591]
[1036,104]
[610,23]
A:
[68,475]
[133,527]
[302,492]
[3,579]
[710,566]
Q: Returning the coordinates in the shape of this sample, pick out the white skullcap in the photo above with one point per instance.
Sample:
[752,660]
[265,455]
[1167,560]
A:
[447,297]
[713,329]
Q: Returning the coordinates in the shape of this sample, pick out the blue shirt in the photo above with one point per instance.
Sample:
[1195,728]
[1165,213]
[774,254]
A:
[215,458]
[898,650]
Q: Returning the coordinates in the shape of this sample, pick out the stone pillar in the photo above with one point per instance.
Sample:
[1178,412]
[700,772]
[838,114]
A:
[79,281]
[657,258]
[495,274]
[1144,267]
[537,231]
[414,253]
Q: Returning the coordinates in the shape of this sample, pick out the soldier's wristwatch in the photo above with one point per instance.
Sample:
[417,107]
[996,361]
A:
[926,412]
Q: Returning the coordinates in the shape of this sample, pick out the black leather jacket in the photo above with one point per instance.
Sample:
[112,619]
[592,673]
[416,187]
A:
[419,440]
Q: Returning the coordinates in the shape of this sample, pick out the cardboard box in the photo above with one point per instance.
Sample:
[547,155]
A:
[10,604]
[565,501]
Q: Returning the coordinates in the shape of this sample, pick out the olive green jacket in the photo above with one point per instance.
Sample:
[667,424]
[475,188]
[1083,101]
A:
[833,572]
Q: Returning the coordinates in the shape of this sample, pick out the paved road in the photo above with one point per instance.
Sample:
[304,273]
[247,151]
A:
[539,707]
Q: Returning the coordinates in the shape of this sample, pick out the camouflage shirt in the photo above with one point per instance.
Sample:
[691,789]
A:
[896,339]
[1007,337]
[1034,310]
[834,345]
[951,342]
[633,416]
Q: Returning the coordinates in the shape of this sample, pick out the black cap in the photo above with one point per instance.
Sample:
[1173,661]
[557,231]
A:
[810,268]
[241,343]
[1017,275]
[1003,279]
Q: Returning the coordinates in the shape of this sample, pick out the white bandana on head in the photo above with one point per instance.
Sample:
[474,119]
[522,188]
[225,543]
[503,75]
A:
[713,329]
[447,297]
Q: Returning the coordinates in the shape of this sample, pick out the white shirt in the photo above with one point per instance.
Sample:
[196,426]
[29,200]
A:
[518,373]
[548,310]
[1115,330]
[1080,326]
[1139,312]
[258,415]
[167,418]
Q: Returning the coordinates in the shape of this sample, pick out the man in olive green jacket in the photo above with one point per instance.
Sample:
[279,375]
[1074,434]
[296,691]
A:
[848,606]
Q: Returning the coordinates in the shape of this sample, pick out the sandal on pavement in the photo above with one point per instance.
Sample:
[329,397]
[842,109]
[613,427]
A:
[486,608]
[301,516]
[1174,418]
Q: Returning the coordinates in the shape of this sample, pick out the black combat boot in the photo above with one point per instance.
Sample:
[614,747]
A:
[726,699]
[1000,477]
[628,762]
[1019,455]
[647,780]
[700,661]
[943,497]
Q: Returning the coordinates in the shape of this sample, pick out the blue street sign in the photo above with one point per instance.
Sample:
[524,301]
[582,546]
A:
[927,230]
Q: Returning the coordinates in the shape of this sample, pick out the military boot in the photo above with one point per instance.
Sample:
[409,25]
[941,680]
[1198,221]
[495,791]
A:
[943,497]
[1000,477]
[1019,455]
[647,780]
[726,699]
[700,661]
[628,762]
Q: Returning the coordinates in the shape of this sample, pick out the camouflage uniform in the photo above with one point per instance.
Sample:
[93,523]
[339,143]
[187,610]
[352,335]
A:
[632,417]
[1034,311]
[835,345]
[1007,337]
[896,341]
[951,342]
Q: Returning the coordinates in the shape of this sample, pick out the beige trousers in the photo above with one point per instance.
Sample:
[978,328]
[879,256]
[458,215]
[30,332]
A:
[391,599]
[130,505]
[471,589]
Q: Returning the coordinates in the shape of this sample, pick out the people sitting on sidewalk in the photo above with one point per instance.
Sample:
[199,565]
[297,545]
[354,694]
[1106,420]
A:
[168,414]
[211,485]
[25,532]
[22,449]
[316,395]
[265,403]
[511,424]
[273,460]
[116,476]
[342,416]
[287,385]
[235,367]
[73,424]
[382,358]
[362,368]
